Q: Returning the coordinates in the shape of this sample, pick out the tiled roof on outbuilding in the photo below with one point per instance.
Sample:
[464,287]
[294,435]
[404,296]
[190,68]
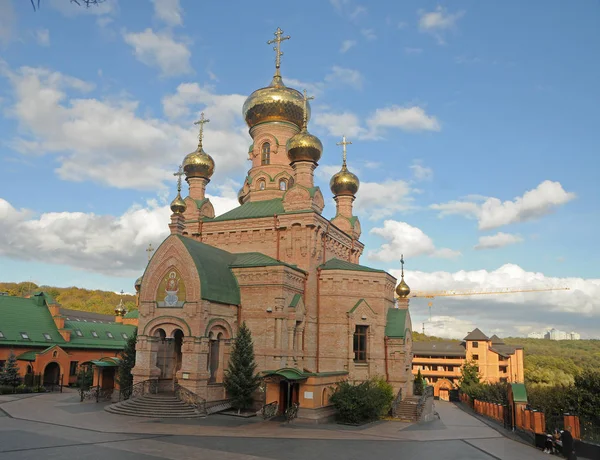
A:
[439,348]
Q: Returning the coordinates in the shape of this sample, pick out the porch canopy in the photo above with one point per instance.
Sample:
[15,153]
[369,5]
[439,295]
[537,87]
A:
[288,373]
[104,362]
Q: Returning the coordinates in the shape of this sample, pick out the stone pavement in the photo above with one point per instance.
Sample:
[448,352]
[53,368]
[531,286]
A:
[53,426]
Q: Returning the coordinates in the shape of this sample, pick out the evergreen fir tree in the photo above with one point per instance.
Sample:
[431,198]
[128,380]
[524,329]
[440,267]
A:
[418,384]
[124,377]
[10,372]
[240,378]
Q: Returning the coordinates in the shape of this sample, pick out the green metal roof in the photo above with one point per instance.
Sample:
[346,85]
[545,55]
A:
[395,324]
[103,340]
[295,300]
[27,356]
[217,282]
[519,392]
[337,264]
[288,374]
[132,314]
[110,362]
[253,209]
[257,259]
[200,203]
[357,304]
[31,316]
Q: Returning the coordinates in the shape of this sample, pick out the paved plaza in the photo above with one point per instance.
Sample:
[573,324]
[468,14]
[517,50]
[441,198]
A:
[58,426]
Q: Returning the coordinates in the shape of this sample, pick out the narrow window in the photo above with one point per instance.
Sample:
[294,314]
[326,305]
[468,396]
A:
[47,336]
[261,184]
[475,357]
[360,344]
[73,368]
[282,185]
[94,334]
[109,335]
[265,153]
[475,344]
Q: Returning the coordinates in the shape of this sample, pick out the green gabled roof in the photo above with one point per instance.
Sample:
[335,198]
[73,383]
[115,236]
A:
[519,392]
[132,314]
[27,356]
[295,300]
[217,282]
[253,209]
[395,324]
[337,264]
[47,297]
[357,304]
[103,340]
[31,316]
[257,259]
[200,203]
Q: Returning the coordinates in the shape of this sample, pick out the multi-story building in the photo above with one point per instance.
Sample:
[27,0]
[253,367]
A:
[441,362]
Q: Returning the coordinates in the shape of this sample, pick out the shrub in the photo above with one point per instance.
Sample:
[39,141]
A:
[22,389]
[362,402]
[6,389]
[39,389]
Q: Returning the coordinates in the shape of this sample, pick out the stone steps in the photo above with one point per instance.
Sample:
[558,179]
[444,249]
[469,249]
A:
[154,406]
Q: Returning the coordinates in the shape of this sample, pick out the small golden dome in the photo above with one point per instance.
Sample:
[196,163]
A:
[304,147]
[120,309]
[276,102]
[344,183]
[199,164]
[402,289]
[138,284]
[178,206]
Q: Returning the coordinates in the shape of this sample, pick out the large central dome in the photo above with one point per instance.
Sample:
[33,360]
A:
[276,102]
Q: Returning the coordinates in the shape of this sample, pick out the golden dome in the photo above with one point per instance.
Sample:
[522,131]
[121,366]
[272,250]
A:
[178,206]
[120,309]
[402,289]
[199,164]
[344,183]
[304,147]
[276,102]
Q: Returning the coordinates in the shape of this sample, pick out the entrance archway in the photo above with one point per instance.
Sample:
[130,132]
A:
[169,352]
[442,389]
[52,373]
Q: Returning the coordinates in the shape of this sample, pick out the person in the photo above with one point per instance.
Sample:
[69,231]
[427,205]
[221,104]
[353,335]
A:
[548,444]
[568,449]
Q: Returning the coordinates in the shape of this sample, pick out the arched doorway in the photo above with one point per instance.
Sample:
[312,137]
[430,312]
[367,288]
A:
[169,352]
[442,389]
[52,373]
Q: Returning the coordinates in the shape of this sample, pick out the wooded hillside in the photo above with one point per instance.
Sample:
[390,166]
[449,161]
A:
[73,297]
[549,362]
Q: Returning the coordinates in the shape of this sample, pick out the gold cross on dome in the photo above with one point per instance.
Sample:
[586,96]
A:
[179,173]
[305,117]
[149,251]
[201,122]
[344,143]
[402,262]
[277,48]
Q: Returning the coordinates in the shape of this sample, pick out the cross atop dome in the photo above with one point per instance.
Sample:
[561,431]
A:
[344,143]
[277,48]
[305,119]
[201,122]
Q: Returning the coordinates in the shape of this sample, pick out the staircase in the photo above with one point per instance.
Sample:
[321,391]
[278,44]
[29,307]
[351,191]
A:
[408,409]
[161,405]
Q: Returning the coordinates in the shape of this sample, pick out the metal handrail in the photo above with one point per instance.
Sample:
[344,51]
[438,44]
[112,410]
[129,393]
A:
[269,410]
[149,386]
[292,412]
[191,398]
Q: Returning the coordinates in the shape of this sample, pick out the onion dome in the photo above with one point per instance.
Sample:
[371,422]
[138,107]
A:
[275,102]
[402,289]
[138,284]
[304,146]
[120,309]
[178,206]
[344,183]
[199,163]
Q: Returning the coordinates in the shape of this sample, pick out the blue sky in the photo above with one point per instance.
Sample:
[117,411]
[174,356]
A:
[474,129]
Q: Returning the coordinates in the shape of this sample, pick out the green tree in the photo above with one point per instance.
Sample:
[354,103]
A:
[469,374]
[124,377]
[241,380]
[362,402]
[10,372]
[418,384]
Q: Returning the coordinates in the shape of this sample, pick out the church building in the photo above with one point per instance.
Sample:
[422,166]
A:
[275,262]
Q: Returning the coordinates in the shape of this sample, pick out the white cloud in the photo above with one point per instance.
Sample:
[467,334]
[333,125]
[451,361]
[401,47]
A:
[420,172]
[382,199]
[43,37]
[346,45]
[576,309]
[160,50]
[438,21]
[369,34]
[168,11]
[403,238]
[313,89]
[339,124]
[405,118]
[498,240]
[357,12]
[493,213]
[340,75]
[448,327]
[106,142]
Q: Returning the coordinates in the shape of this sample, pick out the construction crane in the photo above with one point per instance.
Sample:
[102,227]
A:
[453,293]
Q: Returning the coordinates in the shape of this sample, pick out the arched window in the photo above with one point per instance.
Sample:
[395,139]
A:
[261,184]
[282,184]
[266,153]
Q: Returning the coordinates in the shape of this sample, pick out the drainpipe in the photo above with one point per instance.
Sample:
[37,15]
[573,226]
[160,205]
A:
[387,373]
[318,315]
[276,226]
